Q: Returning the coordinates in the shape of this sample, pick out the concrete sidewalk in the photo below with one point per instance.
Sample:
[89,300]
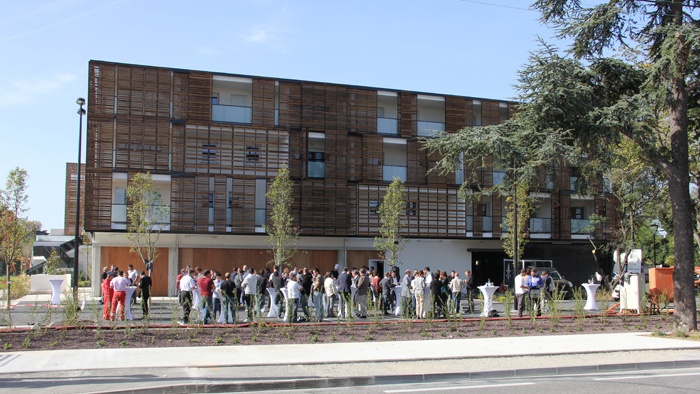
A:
[233,368]
[246,368]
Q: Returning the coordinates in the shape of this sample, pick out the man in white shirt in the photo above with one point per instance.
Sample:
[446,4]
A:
[187,286]
[520,290]
[330,287]
[293,295]
[250,290]
[133,276]
[119,285]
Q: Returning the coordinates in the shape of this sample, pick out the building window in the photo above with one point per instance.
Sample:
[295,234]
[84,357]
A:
[316,155]
[215,99]
[387,113]
[373,207]
[577,212]
[208,153]
[252,153]
[574,178]
[476,111]
[431,115]
[411,208]
[395,160]
[260,190]
[502,112]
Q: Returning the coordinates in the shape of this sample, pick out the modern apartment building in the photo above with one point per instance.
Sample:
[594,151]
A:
[214,141]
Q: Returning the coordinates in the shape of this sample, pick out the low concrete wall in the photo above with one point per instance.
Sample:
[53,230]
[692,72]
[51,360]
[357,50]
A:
[39,283]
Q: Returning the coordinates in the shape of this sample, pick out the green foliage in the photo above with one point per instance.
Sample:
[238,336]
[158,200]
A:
[521,233]
[53,263]
[146,213]
[15,228]
[645,97]
[390,243]
[282,234]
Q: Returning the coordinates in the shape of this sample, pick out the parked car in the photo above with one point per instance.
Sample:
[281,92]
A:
[563,286]
[697,277]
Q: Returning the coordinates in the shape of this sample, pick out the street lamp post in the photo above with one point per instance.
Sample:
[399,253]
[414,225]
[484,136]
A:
[76,252]
[656,228]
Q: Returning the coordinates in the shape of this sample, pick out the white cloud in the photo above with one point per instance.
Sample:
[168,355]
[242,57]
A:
[258,34]
[27,90]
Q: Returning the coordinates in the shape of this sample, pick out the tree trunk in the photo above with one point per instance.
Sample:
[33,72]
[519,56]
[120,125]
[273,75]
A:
[677,170]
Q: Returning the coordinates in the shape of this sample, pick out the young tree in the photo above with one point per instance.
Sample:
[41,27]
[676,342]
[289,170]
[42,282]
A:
[147,214]
[282,234]
[516,233]
[645,99]
[390,243]
[15,229]
[519,146]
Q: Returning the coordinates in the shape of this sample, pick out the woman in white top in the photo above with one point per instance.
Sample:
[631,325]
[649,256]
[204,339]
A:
[293,296]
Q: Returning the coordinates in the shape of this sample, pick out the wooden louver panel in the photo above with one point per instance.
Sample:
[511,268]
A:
[199,96]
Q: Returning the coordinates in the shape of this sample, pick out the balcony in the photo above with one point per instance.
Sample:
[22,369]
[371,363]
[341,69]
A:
[231,114]
[426,129]
[390,172]
[387,126]
[540,225]
[581,226]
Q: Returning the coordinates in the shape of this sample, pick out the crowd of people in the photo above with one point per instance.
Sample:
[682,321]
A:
[538,290]
[313,296]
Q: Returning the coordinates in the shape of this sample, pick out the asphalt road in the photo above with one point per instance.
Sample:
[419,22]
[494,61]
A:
[629,382]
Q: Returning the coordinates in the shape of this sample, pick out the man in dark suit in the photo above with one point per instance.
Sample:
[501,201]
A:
[469,287]
[344,284]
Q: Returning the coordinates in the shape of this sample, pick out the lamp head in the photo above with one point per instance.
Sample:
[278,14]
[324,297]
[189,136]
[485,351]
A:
[80,101]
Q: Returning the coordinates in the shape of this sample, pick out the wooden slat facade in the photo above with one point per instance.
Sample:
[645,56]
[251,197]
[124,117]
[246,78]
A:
[71,192]
[160,120]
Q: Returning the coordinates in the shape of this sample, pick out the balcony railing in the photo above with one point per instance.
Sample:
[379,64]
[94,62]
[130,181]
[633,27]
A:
[161,213]
[387,126]
[316,169]
[425,128]
[394,171]
[581,226]
[259,217]
[487,225]
[231,113]
[540,225]
[119,213]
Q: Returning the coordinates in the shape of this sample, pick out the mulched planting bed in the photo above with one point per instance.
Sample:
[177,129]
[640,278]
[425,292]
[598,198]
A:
[139,335]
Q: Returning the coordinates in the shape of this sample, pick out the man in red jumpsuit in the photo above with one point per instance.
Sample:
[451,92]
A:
[107,294]
[119,285]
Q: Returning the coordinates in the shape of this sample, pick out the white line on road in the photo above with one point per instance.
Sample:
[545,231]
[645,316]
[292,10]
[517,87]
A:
[458,388]
[649,376]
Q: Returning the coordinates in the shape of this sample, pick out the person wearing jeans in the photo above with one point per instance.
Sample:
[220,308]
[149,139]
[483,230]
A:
[293,295]
[456,288]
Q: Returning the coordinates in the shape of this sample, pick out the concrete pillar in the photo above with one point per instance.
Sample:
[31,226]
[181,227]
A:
[173,262]
[96,274]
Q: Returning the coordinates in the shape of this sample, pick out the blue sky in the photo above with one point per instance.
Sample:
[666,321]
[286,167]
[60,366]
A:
[461,47]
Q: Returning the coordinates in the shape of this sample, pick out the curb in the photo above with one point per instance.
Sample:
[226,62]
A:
[359,381]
